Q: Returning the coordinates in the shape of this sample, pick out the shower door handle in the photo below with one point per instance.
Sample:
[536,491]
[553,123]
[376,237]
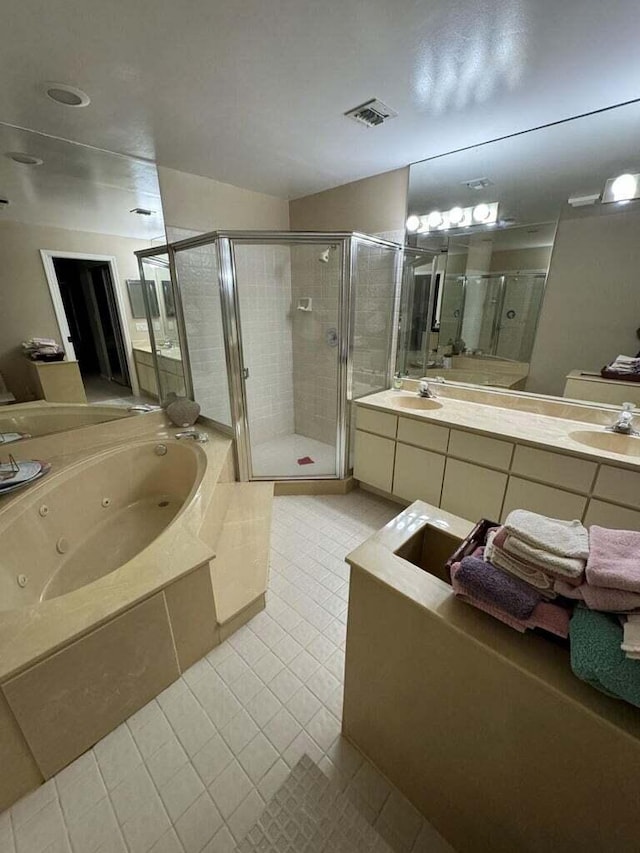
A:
[245,372]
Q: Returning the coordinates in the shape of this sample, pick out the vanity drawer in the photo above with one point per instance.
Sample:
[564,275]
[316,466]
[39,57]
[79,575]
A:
[430,436]
[554,468]
[546,500]
[380,423]
[373,462]
[143,357]
[471,491]
[610,515]
[481,449]
[618,484]
[418,474]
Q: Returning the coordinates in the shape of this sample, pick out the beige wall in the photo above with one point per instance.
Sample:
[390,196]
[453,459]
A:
[591,307]
[521,259]
[193,203]
[25,302]
[376,205]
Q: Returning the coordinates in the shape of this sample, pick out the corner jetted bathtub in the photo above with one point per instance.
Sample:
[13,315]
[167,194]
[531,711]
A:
[38,419]
[75,527]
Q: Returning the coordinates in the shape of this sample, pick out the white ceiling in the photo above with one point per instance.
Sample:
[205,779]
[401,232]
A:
[78,188]
[252,92]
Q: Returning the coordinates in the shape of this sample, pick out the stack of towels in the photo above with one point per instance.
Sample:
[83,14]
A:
[623,367]
[540,551]
[43,349]
[513,577]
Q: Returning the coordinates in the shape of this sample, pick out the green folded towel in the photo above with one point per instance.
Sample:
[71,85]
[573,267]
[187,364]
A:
[596,656]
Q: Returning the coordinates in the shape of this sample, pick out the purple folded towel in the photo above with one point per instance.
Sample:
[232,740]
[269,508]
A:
[489,584]
[614,559]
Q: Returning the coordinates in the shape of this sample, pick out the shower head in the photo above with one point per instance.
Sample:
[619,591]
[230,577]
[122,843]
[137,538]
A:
[324,256]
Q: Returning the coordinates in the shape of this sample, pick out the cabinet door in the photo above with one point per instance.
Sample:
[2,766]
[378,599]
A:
[618,484]
[547,500]
[609,515]
[471,491]
[418,474]
[373,462]
[381,423]
[429,436]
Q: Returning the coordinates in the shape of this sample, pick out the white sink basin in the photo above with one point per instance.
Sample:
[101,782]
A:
[419,404]
[628,445]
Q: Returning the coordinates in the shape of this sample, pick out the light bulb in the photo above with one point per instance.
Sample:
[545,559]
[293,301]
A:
[412,223]
[435,220]
[456,216]
[481,212]
[624,187]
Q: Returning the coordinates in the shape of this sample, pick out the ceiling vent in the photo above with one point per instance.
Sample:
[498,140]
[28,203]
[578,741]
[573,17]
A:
[372,113]
[4,202]
[142,211]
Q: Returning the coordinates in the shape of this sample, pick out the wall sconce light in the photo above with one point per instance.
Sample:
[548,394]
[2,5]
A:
[457,217]
[623,188]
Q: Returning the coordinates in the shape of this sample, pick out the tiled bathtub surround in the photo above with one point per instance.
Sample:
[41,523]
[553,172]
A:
[192,770]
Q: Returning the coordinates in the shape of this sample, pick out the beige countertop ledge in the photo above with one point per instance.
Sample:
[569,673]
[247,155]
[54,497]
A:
[525,419]
[538,658]
[31,633]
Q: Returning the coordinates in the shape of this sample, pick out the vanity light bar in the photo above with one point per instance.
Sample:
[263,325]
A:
[457,217]
[623,188]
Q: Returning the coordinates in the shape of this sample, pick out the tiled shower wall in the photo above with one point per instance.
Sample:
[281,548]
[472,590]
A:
[197,271]
[315,361]
[264,291]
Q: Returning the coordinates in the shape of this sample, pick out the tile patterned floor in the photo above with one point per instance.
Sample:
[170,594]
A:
[191,772]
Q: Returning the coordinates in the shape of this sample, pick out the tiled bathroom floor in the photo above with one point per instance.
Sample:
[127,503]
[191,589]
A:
[192,770]
[279,457]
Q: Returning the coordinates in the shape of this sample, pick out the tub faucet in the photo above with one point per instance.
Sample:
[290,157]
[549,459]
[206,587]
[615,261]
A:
[624,422]
[201,437]
[143,407]
[424,390]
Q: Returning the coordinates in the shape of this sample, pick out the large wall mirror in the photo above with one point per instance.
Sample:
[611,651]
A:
[533,281]
[73,219]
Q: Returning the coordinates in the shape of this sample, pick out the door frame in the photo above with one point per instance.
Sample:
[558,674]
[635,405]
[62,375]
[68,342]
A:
[47,256]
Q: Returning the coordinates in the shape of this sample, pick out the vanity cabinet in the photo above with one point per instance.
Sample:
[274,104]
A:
[418,474]
[477,476]
[374,459]
[472,491]
[547,500]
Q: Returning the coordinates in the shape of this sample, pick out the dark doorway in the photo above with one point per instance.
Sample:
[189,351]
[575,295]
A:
[89,300]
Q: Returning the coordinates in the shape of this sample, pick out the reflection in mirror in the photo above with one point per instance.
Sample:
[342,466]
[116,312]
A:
[545,296]
[74,219]
[164,373]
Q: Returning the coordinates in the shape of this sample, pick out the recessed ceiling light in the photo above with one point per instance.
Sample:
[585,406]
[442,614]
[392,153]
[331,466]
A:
[24,159]
[68,96]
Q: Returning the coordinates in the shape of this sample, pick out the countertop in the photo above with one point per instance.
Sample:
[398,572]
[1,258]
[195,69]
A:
[173,353]
[550,432]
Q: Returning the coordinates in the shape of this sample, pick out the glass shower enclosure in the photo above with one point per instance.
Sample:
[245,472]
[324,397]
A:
[280,332]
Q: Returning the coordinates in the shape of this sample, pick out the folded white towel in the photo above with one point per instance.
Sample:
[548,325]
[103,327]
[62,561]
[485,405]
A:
[570,567]
[514,567]
[631,637]
[564,538]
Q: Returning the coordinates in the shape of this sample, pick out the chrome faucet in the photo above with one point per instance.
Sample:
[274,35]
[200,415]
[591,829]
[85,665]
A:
[424,390]
[624,422]
[201,437]
[144,407]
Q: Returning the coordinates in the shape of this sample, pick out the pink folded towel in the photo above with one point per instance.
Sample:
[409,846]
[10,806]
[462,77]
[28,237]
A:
[545,615]
[614,559]
[599,598]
